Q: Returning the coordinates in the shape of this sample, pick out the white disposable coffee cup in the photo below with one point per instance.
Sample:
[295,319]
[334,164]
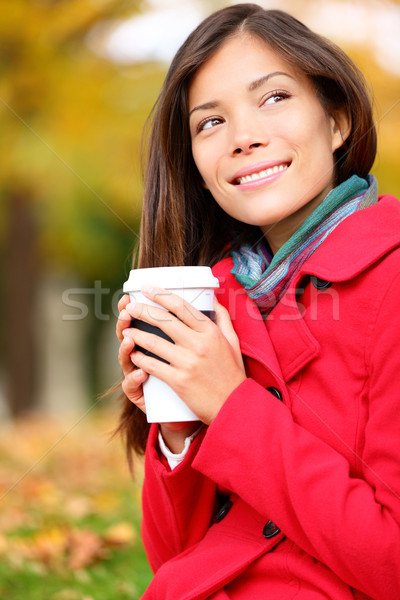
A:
[195,285]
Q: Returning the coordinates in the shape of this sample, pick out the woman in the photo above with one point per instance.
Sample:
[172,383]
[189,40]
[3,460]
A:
[258,165]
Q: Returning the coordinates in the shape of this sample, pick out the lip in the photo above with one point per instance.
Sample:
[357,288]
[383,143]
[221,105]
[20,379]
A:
[256,168]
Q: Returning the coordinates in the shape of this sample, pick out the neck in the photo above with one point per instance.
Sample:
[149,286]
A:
[277,234]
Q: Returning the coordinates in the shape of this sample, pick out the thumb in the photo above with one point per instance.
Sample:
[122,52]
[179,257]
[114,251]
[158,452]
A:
[224,324]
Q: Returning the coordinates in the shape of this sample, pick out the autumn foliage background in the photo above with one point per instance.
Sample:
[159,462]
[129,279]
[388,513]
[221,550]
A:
[71,121]
[69,516]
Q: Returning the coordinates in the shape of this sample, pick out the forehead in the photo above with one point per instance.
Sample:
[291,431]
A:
[239,61]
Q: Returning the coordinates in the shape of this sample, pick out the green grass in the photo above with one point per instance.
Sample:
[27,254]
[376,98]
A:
[124,576]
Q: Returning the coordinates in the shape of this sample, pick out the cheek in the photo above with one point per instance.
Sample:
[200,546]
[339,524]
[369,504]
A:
[324,133]
[200,162]
[207,169]
[208,155]
[308,128]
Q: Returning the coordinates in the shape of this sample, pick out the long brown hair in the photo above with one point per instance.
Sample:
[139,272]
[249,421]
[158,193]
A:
[181,223]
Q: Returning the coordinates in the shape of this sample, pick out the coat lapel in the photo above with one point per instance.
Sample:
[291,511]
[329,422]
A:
[266,342]
[255,343]
[290,336]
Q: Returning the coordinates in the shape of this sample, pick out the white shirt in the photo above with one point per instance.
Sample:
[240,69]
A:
[175,459]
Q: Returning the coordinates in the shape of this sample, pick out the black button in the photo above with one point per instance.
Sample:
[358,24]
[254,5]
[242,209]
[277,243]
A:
[320,284]
[270,530]
[275,392]
[223,511]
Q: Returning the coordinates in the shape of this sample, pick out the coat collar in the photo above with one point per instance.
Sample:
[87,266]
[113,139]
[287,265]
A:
[357,243]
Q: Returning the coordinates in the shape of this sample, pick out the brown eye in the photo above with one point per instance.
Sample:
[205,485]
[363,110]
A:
[209,123]
[276,97]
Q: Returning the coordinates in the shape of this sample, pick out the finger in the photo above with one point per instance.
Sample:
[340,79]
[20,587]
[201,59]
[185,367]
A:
[224,323]
[157,345]
[124,355]
[152,366]
[164,320]
[123,322]
[189,315]
[132,387]
[123,301]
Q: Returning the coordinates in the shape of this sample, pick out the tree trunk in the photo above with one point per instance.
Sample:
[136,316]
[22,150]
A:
[19,303]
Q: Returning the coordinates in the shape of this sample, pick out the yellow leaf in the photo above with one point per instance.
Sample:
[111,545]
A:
[121,534]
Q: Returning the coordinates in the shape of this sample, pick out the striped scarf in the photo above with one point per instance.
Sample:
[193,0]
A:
[266,278]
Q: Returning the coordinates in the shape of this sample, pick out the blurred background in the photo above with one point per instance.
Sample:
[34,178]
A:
[77,81]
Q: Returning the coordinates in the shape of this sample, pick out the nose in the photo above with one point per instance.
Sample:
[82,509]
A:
[246,135]
[246,147]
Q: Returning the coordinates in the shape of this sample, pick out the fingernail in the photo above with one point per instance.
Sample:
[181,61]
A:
[147,289]
[125,332]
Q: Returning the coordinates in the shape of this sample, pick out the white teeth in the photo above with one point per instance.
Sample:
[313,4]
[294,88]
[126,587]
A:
[261,174]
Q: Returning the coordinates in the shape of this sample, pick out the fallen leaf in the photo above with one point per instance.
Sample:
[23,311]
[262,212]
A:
[77,507]
[85,548]
[121,534]
[47,546]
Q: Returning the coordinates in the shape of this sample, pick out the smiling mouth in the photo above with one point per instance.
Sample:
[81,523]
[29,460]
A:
[260,174]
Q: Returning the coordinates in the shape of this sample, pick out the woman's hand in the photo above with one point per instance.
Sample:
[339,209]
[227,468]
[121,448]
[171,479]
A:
[174,434]
[205,362]
[133,377]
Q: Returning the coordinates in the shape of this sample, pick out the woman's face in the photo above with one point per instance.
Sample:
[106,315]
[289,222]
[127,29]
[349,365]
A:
[261,139]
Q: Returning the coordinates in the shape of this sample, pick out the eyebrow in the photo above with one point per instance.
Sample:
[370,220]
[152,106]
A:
[205,106]
[254,85]
[259,82]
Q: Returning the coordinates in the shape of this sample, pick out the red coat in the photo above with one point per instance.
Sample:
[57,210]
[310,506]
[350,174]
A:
[314,479]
